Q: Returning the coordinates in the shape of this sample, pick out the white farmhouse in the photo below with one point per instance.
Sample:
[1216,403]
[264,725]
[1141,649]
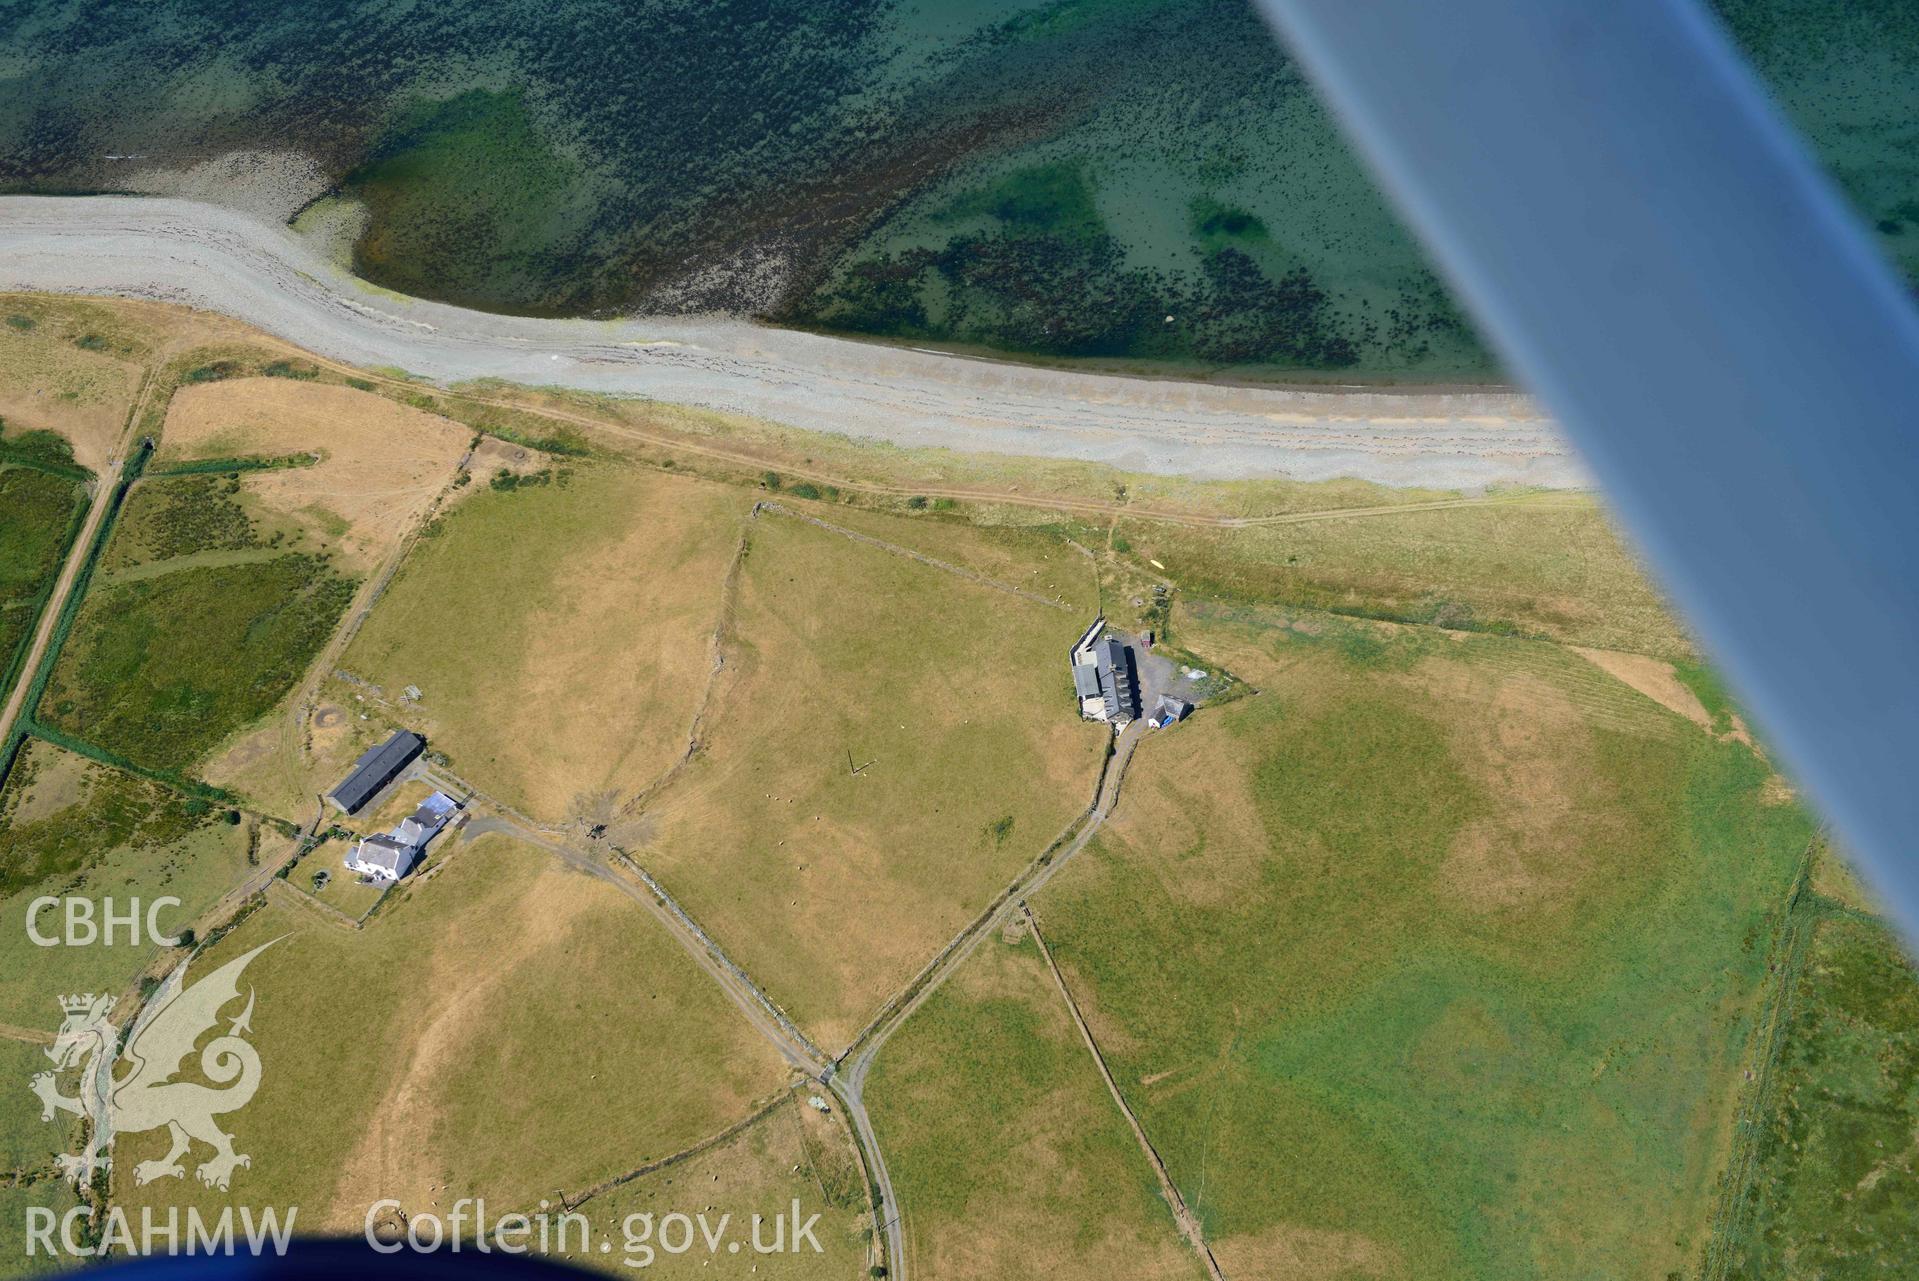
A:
[391,855]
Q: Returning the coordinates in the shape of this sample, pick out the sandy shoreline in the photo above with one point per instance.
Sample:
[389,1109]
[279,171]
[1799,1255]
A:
[212,258]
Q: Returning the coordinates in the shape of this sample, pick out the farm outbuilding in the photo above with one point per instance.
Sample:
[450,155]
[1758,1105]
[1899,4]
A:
[376,767]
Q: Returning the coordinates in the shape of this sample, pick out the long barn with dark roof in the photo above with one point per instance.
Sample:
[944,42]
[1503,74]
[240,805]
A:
[376,767]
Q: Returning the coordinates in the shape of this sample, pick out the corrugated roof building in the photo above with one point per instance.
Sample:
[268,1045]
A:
[376,767]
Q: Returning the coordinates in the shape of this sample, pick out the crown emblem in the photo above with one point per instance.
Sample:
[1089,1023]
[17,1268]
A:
[79,1003]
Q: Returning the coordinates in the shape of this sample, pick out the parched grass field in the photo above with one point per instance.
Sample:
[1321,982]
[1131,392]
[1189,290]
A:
[40,513]
[559,632]
[72,367]
[1007,1152]
[952,702]
[1437,958]
[1028,550]
[73,827]
[380,465]
[508,1028]
[1836,1181]
[793,1153]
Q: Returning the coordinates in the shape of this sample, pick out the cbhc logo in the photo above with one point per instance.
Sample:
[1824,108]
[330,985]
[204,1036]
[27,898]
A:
[87,923]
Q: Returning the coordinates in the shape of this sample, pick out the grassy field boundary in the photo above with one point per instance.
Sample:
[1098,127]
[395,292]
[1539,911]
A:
[1804,910]
[284,890]
[707,1144]
[13,456]
[191,788]
[723,625]
[69,610]
[206,466]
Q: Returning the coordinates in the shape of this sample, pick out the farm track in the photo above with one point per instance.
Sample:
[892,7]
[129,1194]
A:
[79,555]
[849,1084]
[843,1081]
[1189,1225]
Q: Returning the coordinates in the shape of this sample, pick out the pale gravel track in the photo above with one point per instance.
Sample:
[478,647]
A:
[258,272]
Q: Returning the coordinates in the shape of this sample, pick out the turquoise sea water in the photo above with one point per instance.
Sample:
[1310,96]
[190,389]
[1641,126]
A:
[1129,180]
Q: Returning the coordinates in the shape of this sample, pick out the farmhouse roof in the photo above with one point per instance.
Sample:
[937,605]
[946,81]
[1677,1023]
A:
[1086,680]
[388,852]
[439,805]
[1119,682]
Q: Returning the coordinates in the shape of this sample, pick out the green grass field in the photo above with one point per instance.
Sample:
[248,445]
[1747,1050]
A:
[40,509]
[1551,566]
[1836,1186]
[1435,959]
[953,702]
[173,516]
[191,628]
[73,827]
[28,1144]
[1007,1152]
[507,1029]
[161,670]
[14,1202]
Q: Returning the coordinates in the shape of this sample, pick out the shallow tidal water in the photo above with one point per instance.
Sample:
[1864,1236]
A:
[1122,180]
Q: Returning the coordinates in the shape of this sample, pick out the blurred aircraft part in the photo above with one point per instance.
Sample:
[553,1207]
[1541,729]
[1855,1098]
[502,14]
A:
[1644,240]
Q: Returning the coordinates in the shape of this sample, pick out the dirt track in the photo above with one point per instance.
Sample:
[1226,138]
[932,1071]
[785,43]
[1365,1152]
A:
[204,256]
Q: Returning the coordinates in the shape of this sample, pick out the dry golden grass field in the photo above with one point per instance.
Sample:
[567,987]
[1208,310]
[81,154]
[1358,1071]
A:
[380,464]
[889,745]
[560,633]
[49,381]
[508,1028]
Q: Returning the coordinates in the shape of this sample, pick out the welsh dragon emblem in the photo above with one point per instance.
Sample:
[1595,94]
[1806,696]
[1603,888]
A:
[147,1097]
